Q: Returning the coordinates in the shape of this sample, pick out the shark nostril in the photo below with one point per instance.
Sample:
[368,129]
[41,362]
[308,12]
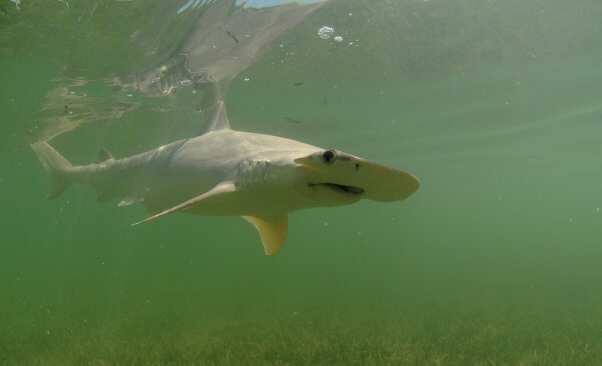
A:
[328,156]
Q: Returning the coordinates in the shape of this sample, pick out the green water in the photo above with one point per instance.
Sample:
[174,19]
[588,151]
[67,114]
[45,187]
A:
[497,260]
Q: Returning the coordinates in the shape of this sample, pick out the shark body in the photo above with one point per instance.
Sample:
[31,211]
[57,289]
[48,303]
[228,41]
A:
[222,171]
[232,173]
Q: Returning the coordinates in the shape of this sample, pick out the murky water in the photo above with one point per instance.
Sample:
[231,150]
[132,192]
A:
[496,106]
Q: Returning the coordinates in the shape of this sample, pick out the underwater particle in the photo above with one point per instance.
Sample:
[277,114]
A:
[185,82]
[598,209]
[325,32]
[247,79]
[338,39]
[325,223]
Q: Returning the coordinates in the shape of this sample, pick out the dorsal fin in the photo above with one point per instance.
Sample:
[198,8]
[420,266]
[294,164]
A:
[213,106]
[217,118]
[103,155]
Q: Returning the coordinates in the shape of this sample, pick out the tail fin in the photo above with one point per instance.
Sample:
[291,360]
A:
[56,166]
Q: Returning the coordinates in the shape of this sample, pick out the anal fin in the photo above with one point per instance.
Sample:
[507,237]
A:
[272,231]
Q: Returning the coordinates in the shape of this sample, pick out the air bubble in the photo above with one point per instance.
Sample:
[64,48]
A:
[338,39]
[325,32]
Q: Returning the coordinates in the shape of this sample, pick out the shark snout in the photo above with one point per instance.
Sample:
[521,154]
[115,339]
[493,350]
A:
[385,184]
[355,177]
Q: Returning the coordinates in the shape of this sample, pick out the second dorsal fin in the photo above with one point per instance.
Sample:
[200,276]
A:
[103,155]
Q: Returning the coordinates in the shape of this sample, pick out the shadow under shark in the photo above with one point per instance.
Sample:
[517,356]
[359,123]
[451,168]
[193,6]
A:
[232,173]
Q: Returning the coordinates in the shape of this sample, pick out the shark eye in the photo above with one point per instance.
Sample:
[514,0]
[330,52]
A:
[328,156]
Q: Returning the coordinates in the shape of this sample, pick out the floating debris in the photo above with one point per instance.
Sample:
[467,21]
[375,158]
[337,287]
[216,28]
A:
[233,36]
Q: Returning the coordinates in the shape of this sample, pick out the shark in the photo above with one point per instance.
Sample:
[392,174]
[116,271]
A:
[222,171]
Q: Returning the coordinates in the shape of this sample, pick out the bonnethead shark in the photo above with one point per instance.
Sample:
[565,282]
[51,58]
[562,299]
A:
[224,172]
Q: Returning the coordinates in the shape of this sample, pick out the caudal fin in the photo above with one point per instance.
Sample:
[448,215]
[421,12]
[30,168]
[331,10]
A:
[56,166]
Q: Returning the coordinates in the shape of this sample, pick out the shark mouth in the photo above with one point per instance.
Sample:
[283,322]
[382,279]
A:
[340,188]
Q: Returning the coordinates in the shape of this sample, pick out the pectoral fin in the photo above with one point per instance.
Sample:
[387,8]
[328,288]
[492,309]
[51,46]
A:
[216,192]
[272,231]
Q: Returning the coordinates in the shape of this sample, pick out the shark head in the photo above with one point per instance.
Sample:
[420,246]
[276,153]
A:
[337,178]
